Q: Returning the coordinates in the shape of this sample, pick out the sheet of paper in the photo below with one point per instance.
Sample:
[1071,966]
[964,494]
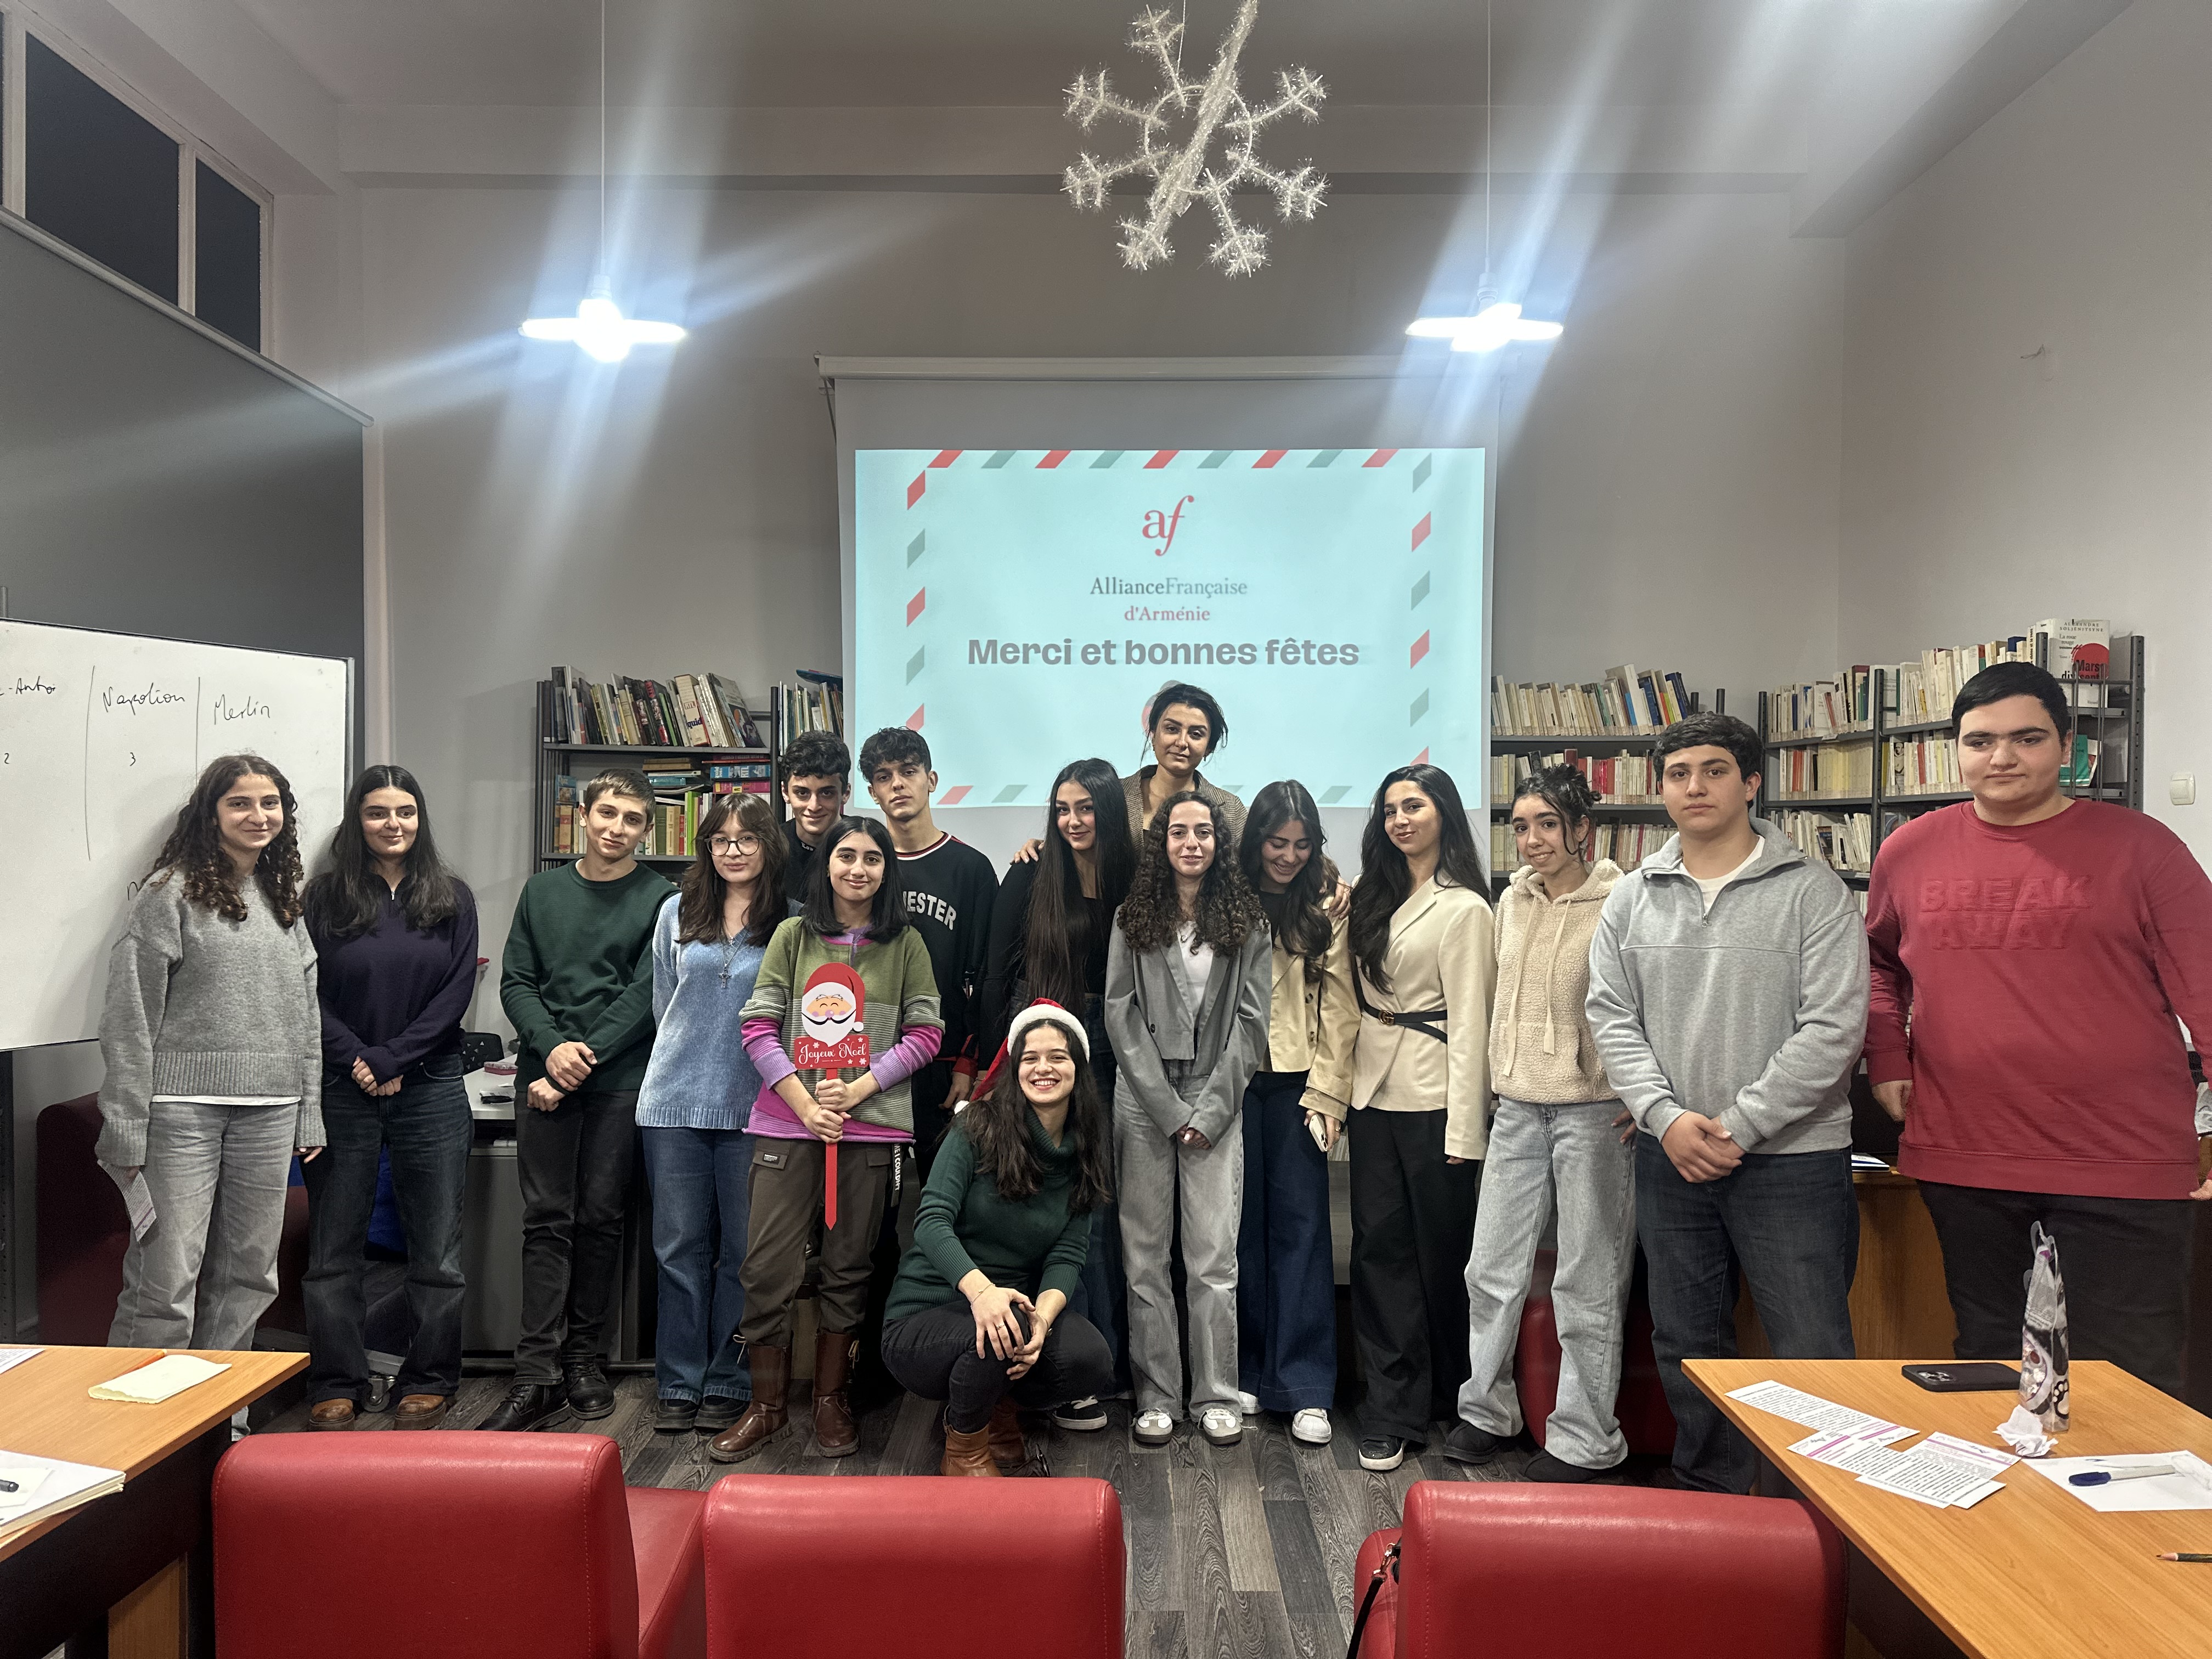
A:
[1809,1409]
[1868,1453]
[1970,1451]
[2188,1488]
[164,1379]
[1929,1474]
[11,1357]
[50,1485]
[137,1199]
[27,1479]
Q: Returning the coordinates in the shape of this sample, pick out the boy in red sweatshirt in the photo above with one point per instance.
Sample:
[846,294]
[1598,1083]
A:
[2043,948]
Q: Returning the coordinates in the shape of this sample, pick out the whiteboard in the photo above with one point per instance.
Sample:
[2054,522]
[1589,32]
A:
[101,738]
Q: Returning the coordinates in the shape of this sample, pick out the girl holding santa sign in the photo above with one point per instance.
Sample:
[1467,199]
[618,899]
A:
[845,988]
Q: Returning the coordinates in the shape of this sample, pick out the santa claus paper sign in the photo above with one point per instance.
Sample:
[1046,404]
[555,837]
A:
[832,1021]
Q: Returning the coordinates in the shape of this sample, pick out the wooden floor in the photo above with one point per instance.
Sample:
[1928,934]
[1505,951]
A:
[1244,1552]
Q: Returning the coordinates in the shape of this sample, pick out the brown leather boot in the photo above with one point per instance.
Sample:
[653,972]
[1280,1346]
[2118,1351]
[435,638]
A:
[1007,1445]
[968,1453]
[834,1433]
[771,1370]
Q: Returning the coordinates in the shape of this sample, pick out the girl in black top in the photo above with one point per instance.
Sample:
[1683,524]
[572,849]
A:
[1049,931]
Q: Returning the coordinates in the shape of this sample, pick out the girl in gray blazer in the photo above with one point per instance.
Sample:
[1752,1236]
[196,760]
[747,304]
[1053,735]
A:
[1187,997]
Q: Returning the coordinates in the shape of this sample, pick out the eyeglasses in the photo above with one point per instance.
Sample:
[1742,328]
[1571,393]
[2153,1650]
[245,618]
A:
[737,845]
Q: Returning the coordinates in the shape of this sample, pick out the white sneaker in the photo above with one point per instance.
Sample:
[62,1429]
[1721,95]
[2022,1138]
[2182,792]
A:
[1248,1403]
[1221,1425]
[1152,1428]
[1311,1427]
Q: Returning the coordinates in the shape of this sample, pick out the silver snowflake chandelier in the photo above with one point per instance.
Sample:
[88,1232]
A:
[1182,176]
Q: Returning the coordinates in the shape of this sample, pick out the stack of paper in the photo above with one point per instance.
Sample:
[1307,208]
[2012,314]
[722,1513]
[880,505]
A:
[1942,1471]
[163,1379]
[46,1486]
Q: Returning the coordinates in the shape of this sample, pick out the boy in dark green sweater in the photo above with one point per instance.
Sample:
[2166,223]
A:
[976,1316]
[577,983]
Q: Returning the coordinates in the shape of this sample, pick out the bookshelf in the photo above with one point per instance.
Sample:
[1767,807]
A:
[558,758]
[1629,820]
[2107,711]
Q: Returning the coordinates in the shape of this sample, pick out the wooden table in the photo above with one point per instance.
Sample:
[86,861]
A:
[137,1559]
[2031,1572]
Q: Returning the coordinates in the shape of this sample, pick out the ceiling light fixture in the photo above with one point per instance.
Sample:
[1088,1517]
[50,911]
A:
[1496,323]
[599,327]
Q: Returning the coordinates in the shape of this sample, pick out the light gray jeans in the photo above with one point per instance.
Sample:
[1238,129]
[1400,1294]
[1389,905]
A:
[1153,1176]
[1539,1156]
[206,1271]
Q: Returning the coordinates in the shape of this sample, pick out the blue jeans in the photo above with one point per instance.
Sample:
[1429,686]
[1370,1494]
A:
[1102,1296]
[427,1127]
[699,1218]
[1788,1222]
[1285,1277]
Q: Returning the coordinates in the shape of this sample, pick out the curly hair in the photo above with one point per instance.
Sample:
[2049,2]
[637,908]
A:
[1152,915]
[194,853]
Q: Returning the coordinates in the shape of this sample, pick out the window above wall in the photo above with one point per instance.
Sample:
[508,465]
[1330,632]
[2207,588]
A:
[87,159]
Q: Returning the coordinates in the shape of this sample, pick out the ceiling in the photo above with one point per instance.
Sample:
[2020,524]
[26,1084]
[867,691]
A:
[848,54]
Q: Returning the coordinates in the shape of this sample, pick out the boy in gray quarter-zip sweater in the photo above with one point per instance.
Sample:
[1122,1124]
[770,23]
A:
[1742,998]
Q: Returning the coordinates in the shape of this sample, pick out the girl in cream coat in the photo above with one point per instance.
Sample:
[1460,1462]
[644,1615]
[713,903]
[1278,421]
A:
[1552,1142]
[1294,1110]
[1421,943]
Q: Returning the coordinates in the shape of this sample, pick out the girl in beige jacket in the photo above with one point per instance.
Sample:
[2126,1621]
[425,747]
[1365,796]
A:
[1294,1110]
[1552,1144]
[1420,1093]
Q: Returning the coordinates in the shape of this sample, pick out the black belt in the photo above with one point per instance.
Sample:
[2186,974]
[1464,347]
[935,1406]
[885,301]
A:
[1427,1021]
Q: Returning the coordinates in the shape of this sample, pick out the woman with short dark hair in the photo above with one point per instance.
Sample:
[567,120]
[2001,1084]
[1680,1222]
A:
[395,933]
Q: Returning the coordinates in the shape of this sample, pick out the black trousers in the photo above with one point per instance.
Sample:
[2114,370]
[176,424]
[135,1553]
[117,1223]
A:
[575,1165]
[1413,1229]
[933,1354]
[2125,1261]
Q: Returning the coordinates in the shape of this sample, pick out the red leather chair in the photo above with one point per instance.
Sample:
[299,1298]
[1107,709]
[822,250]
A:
[451,1546]
[83,1228]
[899,1558]
[1646,1420]
[1591,1572]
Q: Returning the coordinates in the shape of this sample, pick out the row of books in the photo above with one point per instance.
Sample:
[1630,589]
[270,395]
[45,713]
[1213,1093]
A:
[1627,844]
[1820,774]
[691,711]
[1816,708]
[1842,841]
[679,804]
[1921,765]
[1625,703]
[815,703]
[1618,780]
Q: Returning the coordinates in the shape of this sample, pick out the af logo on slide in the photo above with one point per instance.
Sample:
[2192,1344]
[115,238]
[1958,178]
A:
[1161,527]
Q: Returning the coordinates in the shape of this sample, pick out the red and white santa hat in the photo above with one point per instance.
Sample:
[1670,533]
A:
[1038,1011]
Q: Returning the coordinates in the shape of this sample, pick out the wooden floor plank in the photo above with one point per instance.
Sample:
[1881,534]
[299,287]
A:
[1154,1633]
[1217,1622]
[1310,1603]
[1149,1522]
[1250,1547]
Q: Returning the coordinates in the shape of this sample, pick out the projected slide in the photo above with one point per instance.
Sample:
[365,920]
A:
[1019,607]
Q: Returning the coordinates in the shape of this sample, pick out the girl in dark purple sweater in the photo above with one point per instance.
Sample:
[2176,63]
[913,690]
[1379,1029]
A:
[395,933]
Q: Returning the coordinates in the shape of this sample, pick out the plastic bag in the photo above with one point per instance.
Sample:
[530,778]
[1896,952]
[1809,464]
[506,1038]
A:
[2042,1337]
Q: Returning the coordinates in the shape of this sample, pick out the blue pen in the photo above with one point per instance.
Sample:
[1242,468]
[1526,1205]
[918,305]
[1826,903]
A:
[2106,1477]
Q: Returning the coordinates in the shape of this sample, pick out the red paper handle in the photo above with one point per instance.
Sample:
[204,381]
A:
[829,1183]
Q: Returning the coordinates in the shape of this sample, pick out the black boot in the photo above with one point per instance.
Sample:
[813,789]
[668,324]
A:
[590,1394]
[527,1406]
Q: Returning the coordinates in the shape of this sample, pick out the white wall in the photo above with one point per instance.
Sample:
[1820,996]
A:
[683,513]
[1985,487]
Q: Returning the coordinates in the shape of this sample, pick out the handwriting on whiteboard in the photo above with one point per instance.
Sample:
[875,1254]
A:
[225,710]
[152,696]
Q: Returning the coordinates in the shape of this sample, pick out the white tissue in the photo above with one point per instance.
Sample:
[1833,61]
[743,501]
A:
[2024,1433]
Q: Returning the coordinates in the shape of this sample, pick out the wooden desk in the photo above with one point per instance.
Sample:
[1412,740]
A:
[124,1556]
[2031,1572]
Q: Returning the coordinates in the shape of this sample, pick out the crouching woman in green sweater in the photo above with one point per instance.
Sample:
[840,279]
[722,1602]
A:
[977,1315]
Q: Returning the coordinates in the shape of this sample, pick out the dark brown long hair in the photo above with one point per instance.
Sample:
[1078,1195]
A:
[194,854]
[1056,943]
[1306,929]
[344,900]
[886,911]
[699,908]
[998,1124]
[1385,880]
[1227,912]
